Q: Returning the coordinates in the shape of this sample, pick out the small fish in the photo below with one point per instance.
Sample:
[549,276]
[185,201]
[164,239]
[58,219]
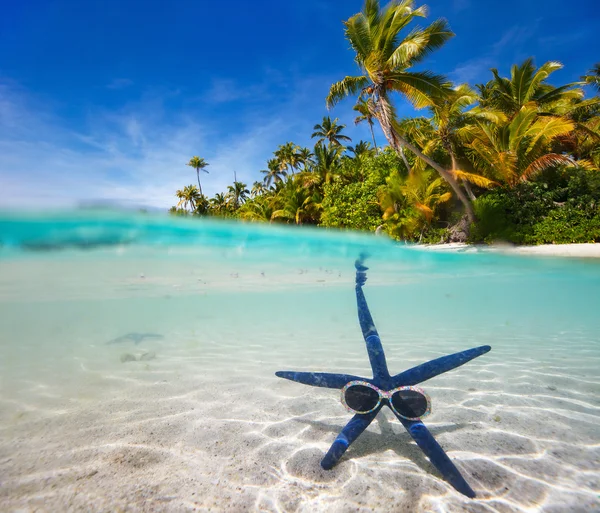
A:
[136,338]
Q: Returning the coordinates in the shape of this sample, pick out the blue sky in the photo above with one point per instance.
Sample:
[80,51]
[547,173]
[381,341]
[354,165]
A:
[108,99]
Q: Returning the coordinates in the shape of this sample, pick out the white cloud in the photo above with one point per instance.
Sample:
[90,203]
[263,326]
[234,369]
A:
[478,68]
[133,157]
[564,39]
[225,90]
[514,37]
[472,70]
[137,155]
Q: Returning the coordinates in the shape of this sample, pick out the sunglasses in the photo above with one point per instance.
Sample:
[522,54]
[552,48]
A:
[410,403]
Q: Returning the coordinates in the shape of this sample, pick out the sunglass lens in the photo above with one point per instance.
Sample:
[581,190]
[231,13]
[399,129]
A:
[409,403]
[361,398]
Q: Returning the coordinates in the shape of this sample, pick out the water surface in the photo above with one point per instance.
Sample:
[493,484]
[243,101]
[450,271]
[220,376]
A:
[138,352]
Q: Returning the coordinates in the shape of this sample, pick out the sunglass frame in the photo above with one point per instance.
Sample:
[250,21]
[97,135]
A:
[383,394]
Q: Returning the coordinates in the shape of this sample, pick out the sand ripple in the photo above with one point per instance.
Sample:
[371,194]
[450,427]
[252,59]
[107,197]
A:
[179,433]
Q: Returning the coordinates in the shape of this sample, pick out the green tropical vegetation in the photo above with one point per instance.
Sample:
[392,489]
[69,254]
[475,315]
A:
[514,159]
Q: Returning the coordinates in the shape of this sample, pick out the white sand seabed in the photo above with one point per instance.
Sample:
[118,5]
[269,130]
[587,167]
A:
[206,426]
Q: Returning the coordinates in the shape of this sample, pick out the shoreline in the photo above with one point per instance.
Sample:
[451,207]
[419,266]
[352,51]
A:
[587,250]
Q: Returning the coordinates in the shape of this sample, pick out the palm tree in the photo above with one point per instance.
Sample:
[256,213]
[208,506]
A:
[409,206]
[219,203]
[273,173]
[305,157]
[327,161]
[593,77]
[360,149]
[237,194]
[190,195]
[448,115]
[519,148]
[364,108]
[287,155]
[201,205]
[426,193]
[258,188]
[177,211]
[385,60]
[400,217]
[526,86]
[298,205]
[198,163]
[260,209]
[330,131]
[441,132]
[583,143]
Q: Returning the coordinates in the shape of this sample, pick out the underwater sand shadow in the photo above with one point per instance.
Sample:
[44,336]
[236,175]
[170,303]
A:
[375,443]
[136,338]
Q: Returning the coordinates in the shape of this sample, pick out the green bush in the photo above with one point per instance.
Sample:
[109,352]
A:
[560,207]
[351,206]
[434,235]
[494,221]
[566,225]
[354,205]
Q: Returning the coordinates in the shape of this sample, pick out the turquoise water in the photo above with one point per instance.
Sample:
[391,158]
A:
[138,352]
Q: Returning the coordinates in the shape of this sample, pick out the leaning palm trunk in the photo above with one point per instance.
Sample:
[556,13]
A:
[463,181]
[384,115]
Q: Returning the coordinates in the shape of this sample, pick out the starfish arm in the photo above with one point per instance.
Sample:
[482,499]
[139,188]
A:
[351,432]
[319,379]
[436,455]
[431,369]
[374,347]
[364,315]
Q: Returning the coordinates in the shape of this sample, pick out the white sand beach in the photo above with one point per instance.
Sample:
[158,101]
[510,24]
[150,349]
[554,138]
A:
[590,250]
[566,250]
[199,422]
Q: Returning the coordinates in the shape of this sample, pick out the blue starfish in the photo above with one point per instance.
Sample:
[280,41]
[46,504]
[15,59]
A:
[383,380]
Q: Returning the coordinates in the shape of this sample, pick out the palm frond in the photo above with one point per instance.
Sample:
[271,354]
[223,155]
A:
[463,96]
[521,81]
[593,77]
[371,12]
[396,17]
[346,87]
[588,130]
[419,43]
[501,92]
[542,74]
[519,126]
[467,133]
[487,114]
[546,129]
[447,196]
[474,178]
[586,164]
[425,210]
[562,93]
[419,87]
[359,35]
[544,162]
